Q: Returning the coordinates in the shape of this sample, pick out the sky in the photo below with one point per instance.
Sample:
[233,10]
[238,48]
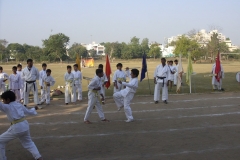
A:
[84,21]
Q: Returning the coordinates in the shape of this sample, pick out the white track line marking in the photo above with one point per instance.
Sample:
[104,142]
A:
[141,119]
[140,111]
[140,132]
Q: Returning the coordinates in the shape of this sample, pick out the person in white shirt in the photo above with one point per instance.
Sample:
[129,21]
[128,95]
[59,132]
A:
[19,71]
[41,74]
[217,85]
[3,79]
[176,73]
[119,75]
[123,98]
[128,73]
[15,83]
[19,125]
[69,80]
[30,74]
[171,75]
[77,84]
[104,80]
[94,90]
[161,75]
[47,82]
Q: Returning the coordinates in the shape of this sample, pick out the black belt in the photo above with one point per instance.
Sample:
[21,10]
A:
[162,79]
[29,82]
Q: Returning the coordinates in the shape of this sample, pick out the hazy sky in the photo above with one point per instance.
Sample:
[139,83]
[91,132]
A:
[31,21]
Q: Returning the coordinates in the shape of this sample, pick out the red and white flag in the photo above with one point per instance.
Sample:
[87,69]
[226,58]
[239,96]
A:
[218,68]
[108,71]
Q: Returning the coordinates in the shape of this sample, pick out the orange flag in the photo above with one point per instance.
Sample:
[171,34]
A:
[108,72]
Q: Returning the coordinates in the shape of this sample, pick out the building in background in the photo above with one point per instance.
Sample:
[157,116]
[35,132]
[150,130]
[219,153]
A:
[100,50]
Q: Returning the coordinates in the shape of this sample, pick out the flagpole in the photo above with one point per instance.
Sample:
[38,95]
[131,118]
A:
[149,84]
[190,83]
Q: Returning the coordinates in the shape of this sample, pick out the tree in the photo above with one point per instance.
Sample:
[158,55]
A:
[56,46]
[16,51]
[126,51]
[135,47]
[144,45]
[79,49]
[155,51]
[185,44]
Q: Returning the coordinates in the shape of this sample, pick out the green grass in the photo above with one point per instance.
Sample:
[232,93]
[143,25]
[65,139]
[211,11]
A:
[200,84]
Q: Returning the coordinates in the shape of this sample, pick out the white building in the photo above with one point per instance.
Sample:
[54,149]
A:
[203,37]
[95,46]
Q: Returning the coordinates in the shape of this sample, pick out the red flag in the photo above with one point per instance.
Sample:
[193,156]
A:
[218,68]
[108,71]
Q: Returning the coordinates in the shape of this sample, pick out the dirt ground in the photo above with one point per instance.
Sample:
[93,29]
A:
[197,126]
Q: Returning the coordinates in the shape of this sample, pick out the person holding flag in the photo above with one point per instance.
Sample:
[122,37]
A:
[218,71]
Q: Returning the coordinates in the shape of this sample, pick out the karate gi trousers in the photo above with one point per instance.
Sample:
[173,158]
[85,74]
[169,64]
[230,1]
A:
[175,78]
[46,95]
[93,100]
[158,88]
[17,94]
[2,88]
[25,140]
[120,87]
[124,102]
[68,93]
[22,93]
[30,87]
[75,96]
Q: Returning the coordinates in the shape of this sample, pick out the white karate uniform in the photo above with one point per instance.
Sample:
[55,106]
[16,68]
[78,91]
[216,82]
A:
[103,80]
[171,76]
[30,77]
[123,98]
[215,83]
[41,74]
[77,86]
[22,85]
[3,76]
[161,83]
[46,89]
[119,75]
[93,98]
[15,85]
[16,111]
[128,74]
[69,78]
[176,75]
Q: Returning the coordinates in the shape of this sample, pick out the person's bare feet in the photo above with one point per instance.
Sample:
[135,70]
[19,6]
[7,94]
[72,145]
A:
[105,120]
[87,122]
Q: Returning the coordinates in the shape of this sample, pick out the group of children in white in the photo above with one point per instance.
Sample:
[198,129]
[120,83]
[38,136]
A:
[21,82]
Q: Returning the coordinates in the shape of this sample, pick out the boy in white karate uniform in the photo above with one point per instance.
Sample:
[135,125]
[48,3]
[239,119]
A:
[19,125]
[47,82]
[104,80]
[171,75]
[3,79]
[94,89]
[30,75]
[119,75]
[77,84]
[124,97]
[42,73]
[19,71]
[161,75]
[15,83]
[69,79]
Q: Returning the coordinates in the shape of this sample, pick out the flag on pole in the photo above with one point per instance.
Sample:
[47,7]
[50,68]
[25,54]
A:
[108,71]
[179,72]
[78,62]
[144,67]
[218,68]
[189,69]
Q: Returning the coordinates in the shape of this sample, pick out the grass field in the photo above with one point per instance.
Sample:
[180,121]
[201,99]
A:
[200,84]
